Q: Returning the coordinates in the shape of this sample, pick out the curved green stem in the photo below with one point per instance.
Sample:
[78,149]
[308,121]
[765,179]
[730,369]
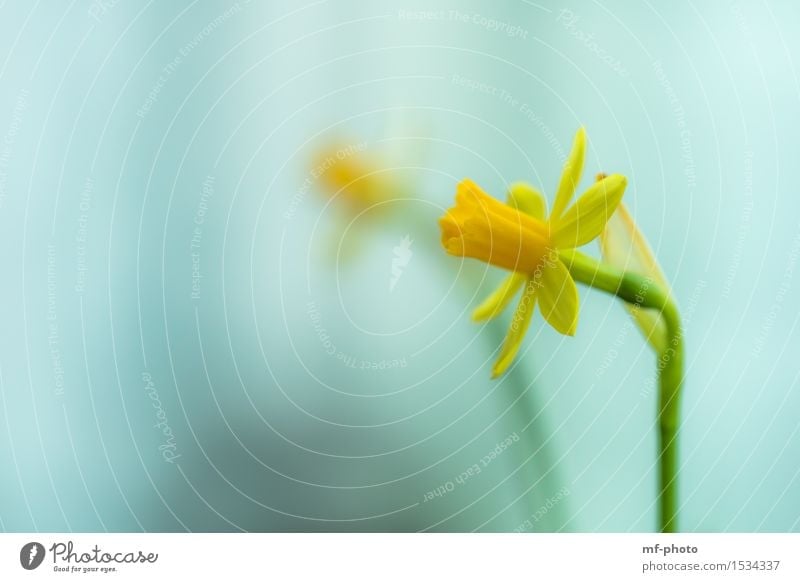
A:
[644,292]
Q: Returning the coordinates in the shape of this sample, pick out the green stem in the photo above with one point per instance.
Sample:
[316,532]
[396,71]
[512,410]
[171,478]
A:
[642,291]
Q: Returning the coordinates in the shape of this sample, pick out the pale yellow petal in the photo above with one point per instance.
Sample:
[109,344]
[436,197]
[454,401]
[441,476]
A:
[500,298]
[558,296]
[571,175]
[527,199]
[624,247]
[516,332]
[585,220]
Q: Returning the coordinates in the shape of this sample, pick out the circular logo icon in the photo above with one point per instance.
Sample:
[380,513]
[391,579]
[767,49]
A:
[31,555]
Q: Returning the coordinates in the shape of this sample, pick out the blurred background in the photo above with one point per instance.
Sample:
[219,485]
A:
[201,333]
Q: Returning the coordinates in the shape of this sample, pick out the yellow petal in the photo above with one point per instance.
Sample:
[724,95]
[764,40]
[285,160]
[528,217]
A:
[527,199]
[497,301]
[584,220]
[570,176]
[558,296]
[516,332]
[623,246]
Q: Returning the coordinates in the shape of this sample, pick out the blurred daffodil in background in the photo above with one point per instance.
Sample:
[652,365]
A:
[352,176]
[522,237]
[361,187]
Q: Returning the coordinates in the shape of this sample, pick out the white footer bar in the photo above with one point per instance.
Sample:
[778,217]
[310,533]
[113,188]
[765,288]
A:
[401,557]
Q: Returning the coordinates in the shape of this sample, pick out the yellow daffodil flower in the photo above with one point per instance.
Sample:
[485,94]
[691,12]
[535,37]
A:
[521,237]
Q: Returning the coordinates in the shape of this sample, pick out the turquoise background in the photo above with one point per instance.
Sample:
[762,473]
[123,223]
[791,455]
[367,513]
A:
[123,124]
